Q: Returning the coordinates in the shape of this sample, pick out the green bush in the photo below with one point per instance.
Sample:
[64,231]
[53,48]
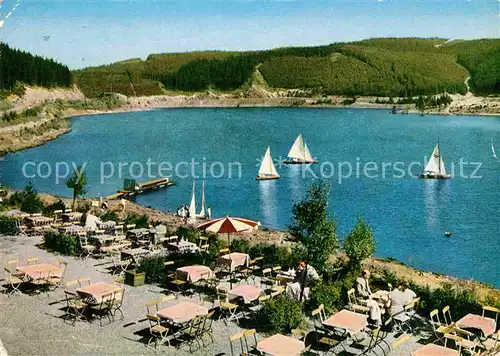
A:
[331,295]
[63,244]
[154,269]
[7,225]
[188,234]
[240,245]
[273,254]
[32,203]
[140,221]
[281,315]
[49,209]
[110,215]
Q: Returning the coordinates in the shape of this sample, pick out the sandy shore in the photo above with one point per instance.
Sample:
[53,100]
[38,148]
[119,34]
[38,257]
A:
[49,126]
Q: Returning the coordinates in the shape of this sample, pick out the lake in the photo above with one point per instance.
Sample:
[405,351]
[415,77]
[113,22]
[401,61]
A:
[408,215]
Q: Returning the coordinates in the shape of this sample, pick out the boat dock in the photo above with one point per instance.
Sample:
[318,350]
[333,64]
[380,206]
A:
[130,187]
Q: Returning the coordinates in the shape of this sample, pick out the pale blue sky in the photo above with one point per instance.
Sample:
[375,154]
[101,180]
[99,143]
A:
[92,32]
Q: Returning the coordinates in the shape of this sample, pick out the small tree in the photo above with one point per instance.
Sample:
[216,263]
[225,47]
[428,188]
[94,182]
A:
[312,227]
[30,200]
[359,245]
[77,182]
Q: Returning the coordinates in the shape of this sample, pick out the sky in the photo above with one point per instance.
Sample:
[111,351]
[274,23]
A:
[81,33]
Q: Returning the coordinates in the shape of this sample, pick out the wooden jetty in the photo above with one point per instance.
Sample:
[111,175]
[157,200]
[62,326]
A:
[130,187]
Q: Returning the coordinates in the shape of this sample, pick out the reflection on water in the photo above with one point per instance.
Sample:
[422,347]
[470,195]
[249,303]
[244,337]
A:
[267,197]
[295,182]
[436,192]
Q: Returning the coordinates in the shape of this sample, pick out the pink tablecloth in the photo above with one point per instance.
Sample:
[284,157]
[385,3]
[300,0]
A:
[248,292]
[434,350]
[182,312]
[472,321]
[279,345]
[234,260]
[96,290]
[193,274]
[350,321]
[41,270]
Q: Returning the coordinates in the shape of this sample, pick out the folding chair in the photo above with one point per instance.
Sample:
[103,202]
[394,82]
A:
[178,283]
[117,302]
[13,282]
[33,260]
[266,278]
[447,315]
[234,339]
[397,343]
[461,343]
[488,310]
[193,333]
[152,303]
[157,331]
[228,310]
[85,281]
[104,307]
[368,343]
[353,303]
[207,325]
[75,307]
[491,344]
[119,230]
[119,266]
[251,341]
[324,337]
[223,251]
[438,328]
[12,267]
[87,248]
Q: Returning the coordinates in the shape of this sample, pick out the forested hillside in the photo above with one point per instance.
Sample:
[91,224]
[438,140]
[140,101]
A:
[20,66]
[380,67]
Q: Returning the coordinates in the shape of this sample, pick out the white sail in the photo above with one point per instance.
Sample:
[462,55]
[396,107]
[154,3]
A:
[307,155]
[202,211]
[267,166]
[297,150]
[192,206]
[435,164]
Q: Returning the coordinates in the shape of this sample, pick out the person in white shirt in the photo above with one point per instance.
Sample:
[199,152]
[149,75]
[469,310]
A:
[398,298]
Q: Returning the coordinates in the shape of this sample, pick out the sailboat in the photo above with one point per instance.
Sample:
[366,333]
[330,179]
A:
[299,153]
[493,147]
[434,169]
[203,204]
[192,207]
[267,169]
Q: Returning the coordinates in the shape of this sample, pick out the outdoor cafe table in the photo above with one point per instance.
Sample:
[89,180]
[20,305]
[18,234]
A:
[193,274]
[138,232]
[183,246]
[182,312]
[94,292]
[135,254]
[347,320]
[103,239]
[478,322]
[434,350]
[233,260]
[39,220]
[106,225]
[280,345]
[40,270]
[74,216]
[248,292]
[71,229]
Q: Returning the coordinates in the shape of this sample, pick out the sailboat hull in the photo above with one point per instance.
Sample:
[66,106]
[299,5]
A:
[266,177]
[300,162]
[434,176]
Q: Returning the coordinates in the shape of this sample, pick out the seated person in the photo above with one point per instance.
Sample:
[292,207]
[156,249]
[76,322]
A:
[397,302]
[303,277]
[363,286]
[409,294]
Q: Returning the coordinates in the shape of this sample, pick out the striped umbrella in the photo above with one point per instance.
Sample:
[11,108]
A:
[229,225]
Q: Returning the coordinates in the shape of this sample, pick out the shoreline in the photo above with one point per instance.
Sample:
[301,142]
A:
[476,106]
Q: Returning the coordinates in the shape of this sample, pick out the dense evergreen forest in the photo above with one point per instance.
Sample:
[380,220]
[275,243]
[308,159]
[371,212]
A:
[380,67]
[20,66]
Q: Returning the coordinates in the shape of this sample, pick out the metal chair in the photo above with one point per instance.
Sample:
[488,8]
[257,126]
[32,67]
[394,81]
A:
[353,303]
[104,307]
[117,302]
[75,307]
[233,339]
[13,282]
[368,343]
[33,260]
[157,331]
[438,328]
[228,310]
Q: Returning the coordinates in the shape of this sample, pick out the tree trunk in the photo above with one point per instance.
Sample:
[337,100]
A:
[74,200]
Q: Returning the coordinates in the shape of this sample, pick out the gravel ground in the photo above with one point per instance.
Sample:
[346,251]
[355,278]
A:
[33,324]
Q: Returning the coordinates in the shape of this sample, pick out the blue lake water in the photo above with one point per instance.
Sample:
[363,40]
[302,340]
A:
[409,216]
